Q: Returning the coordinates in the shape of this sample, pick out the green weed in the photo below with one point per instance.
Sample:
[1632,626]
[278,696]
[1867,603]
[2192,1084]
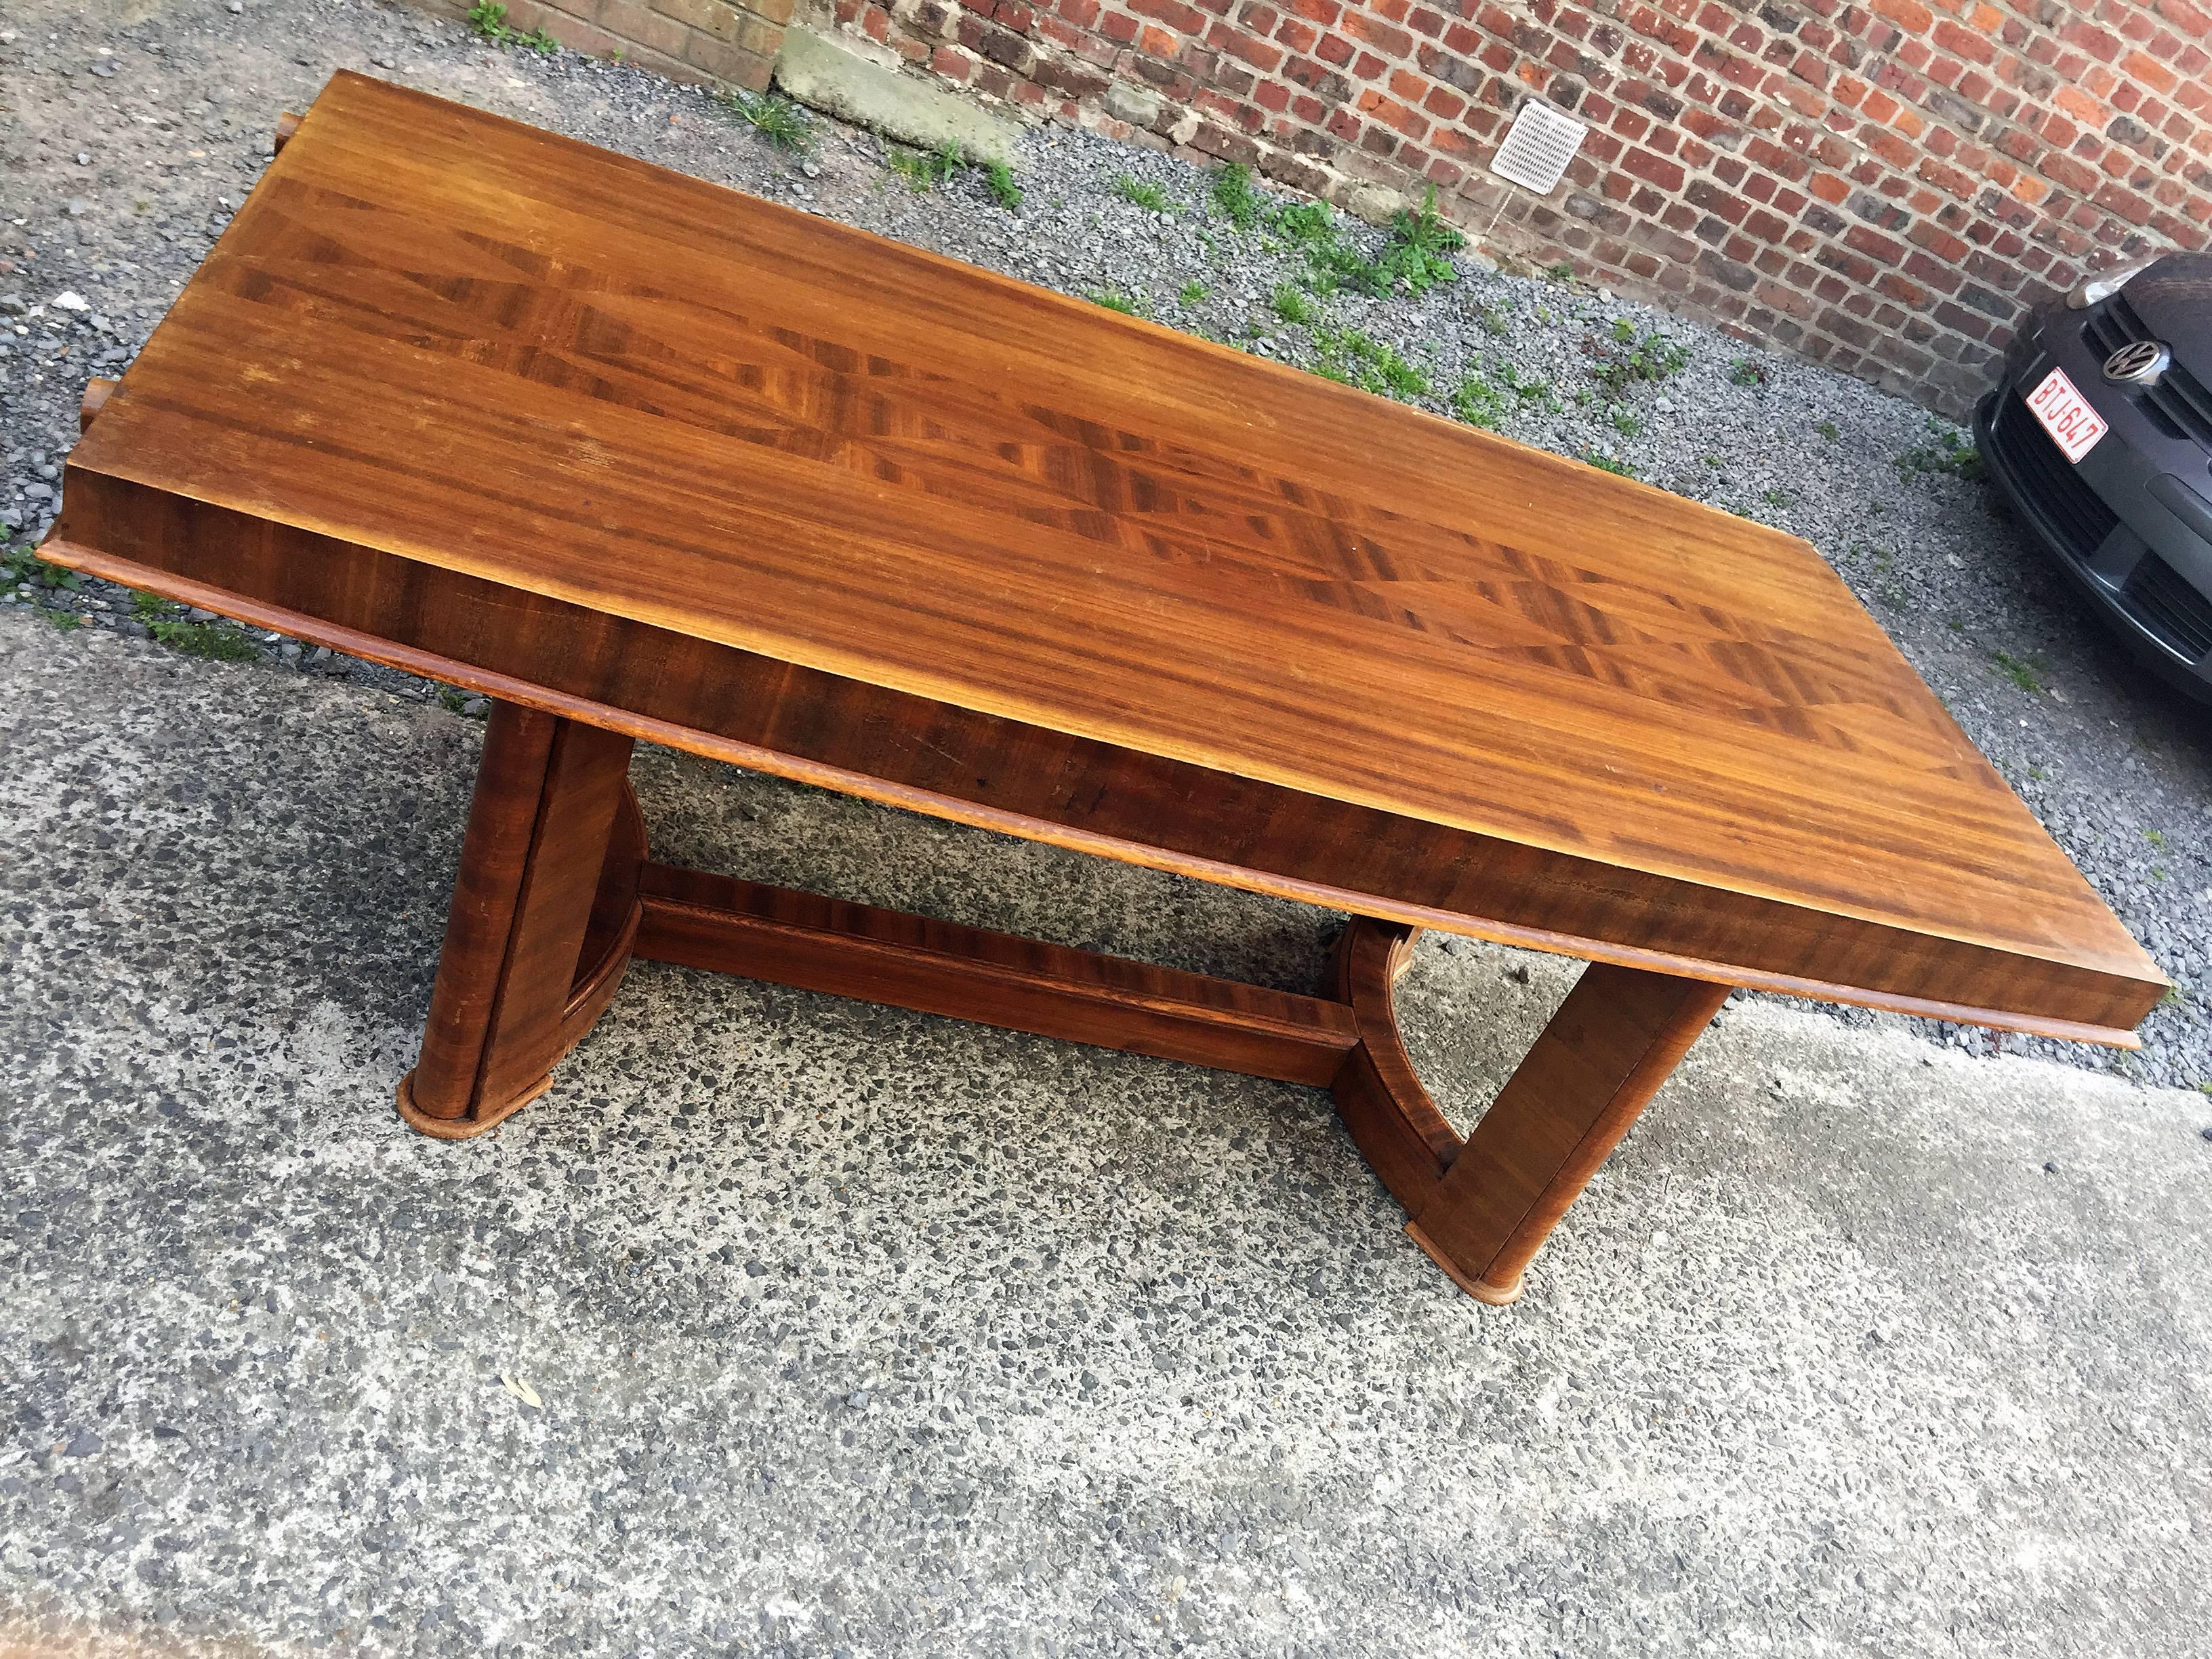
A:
[1475,401]
[1627,359]
[1418,253]
[1149,196]
[1193,292]
[22,567]
[218,643]
[1234,198]
[1000,178]
[1745,371]
[1292,305]
[778,120]
[925,170]
[1827,429]
[1358,359]
[1114,299]
[165,619]
[1608,463]
[1945,451]
[489,19]
[2020,672]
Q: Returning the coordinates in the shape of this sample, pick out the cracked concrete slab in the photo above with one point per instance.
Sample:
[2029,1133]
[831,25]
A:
[790,1325]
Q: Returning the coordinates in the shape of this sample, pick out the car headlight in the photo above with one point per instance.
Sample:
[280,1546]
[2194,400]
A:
[2095,290]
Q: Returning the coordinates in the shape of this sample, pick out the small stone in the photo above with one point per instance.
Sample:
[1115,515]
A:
[384,62]
[83,1444]
[84,158]
[76,207]
[235,7]
[477,707]
[2206,1132]
[71,300]
[1605,297]
[858,1400]
[812,169]
[2050,1168]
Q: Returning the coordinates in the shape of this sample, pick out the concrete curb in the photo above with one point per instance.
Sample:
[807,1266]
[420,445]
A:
[824,75]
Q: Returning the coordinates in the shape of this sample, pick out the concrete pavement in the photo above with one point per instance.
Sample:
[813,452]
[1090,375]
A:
[790,1325]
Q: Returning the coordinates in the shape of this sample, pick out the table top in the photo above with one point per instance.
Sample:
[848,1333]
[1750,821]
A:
[478,346]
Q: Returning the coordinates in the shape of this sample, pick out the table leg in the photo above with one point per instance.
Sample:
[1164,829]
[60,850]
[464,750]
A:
[1481,1208]
[544,915]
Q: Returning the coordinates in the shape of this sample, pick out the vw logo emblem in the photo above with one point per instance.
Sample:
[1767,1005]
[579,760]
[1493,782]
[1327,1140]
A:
[2140,364]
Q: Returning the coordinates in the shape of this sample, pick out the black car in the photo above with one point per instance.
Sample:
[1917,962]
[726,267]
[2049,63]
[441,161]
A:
[2100,436]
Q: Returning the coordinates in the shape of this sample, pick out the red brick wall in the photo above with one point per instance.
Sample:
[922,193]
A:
[1883,186]
[699,40]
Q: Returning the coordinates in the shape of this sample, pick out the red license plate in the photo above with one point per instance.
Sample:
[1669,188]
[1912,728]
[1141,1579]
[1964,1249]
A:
[2066,416]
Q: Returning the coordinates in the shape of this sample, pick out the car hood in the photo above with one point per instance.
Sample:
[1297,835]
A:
[2174,300]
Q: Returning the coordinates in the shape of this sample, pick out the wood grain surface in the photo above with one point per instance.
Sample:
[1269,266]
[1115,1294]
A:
[729,925]
[1581,712]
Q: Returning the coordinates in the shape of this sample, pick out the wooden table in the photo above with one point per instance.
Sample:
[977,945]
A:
[639,457]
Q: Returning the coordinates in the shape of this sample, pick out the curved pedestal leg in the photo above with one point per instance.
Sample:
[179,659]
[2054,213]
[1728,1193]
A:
[544,917]
[555,895]
[1481,1208]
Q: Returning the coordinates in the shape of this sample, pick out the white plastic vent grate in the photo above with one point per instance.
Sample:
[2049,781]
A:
[1537,147]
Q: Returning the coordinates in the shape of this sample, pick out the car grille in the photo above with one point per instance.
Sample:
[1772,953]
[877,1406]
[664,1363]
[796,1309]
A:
[2178,404]
[2157,597]
[2046,480]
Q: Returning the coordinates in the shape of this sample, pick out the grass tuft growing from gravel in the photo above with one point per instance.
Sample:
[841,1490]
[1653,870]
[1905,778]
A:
[998,180]
[1234,198]
[1115,299]
[779,120]
[488,19]
[1149,196]
[926,170]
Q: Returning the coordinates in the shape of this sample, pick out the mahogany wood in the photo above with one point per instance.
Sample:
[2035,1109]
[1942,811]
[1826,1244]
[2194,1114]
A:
[1604,1055]
[97,393]
[699,467]
[556,894]
[541,825]
[941,967]
[639,457]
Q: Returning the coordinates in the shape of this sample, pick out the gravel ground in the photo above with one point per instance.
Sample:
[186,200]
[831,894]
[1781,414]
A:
[133,131]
